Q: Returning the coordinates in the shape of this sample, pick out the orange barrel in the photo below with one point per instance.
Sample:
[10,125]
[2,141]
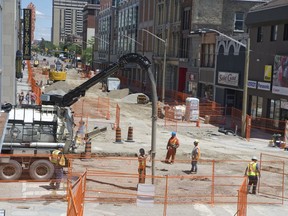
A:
[130,135]
[88,149]
[118,135]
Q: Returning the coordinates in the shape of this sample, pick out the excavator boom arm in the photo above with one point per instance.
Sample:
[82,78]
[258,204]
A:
[72,96]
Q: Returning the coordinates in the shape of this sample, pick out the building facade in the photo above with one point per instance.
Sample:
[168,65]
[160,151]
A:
[67,19]
[11,43]
[227,17]
[268,68]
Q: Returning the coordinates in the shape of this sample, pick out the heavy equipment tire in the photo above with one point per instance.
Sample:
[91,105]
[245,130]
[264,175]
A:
[11,170]
[41,170]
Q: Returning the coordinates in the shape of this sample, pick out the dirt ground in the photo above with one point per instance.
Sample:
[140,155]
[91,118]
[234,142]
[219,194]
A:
[224,155]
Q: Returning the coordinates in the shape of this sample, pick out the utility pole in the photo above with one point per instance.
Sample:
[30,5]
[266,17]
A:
[245,89]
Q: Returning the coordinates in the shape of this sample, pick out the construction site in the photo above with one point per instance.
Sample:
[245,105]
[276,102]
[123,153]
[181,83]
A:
[101,176]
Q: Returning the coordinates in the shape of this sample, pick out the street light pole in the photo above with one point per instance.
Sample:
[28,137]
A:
[164,62]
[245,78]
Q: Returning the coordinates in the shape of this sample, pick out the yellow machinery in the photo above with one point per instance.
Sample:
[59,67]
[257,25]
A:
[57,75]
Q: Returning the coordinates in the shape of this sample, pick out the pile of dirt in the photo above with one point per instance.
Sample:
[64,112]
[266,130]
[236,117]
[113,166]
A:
[118,94]
[132,98]
[61,86]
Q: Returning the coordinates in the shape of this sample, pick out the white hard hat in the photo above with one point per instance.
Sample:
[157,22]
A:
[196,141]
[254,158]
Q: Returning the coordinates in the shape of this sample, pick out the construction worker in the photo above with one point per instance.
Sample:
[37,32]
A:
[195,157]
[172,145]
[58,160]
[142,165]
[252,171]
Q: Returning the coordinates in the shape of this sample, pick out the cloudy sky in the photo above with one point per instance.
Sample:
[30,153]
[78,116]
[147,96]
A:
[43,17]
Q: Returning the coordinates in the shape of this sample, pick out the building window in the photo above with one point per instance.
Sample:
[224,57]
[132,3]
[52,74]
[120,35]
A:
[208,55]
[259,34]
[285,36]
[274,30]
[186,19]
[239,22]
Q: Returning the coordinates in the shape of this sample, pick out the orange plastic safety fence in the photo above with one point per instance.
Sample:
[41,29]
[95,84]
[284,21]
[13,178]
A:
[103,108]
[76,194]
[273,169]
[242,199]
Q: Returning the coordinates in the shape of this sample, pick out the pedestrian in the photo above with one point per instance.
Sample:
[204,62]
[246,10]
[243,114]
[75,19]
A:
[33,97]
[252,171]
[195,157]
[21,98]
[142,157]
[28,97]
[172,145]
[23,65]
[58,160]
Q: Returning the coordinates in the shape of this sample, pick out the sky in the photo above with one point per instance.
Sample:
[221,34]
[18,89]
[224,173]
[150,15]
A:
[43,18]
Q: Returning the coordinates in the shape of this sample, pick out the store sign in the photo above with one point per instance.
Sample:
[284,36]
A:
[280,75]
[284,105]
[264,86]
[267,73]
[27,34]
[252,84]
[228,78]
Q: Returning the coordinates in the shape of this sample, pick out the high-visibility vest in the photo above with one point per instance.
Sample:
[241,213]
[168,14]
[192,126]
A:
[194,155]
[55,157]
[252,169]
[142,162]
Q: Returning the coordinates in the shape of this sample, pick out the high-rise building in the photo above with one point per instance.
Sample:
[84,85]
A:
[67,19]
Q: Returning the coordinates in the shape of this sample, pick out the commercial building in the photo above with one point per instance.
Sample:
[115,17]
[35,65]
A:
[67,19]
[268,71]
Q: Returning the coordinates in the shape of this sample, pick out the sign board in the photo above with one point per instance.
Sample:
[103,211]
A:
[252,84]
[27,34]
[280,75]
[268,73]
[228,78]
[263,86]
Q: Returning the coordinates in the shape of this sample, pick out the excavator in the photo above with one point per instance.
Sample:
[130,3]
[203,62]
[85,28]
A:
[35,130]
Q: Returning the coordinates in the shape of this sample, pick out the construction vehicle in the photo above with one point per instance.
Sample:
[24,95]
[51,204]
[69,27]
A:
[33,131]
[57,72]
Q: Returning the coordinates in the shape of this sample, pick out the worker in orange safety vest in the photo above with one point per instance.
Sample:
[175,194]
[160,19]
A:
[142,157]
[172,145]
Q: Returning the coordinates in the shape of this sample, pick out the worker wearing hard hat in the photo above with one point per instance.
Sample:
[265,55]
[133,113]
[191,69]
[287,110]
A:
[58,160]
[172,145]
[252,171]
[195,157]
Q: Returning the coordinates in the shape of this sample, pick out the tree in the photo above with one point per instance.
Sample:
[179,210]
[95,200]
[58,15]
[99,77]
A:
[87,54]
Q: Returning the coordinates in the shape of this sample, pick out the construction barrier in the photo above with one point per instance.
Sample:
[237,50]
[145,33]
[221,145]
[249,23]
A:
[117,117]
[118,138]
[130,134]
[273,169]
[76,194]
[242,199]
